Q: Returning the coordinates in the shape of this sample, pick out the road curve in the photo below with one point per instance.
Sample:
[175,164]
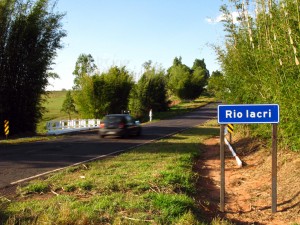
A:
[19,162]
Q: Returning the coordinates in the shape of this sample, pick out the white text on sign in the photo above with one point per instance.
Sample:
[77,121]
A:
[232,114]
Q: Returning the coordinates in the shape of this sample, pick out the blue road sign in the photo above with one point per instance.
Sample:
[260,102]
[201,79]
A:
[248,113]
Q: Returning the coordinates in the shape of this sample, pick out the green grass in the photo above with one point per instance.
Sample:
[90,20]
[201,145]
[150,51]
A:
[36,187]
[181,108]
[53,106]
[152,184]
[22,140]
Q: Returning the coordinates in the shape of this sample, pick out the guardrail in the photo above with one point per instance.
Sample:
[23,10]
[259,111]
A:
[67,126]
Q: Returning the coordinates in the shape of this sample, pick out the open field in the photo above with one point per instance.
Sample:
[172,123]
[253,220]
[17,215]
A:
[53,106]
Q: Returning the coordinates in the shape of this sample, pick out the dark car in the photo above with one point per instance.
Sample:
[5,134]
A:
[122,125]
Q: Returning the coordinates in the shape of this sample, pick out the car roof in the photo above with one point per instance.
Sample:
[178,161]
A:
[121,115]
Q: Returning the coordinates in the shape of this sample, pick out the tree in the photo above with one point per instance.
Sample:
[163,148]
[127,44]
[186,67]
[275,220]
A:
[98,94]
[30,34]
[68,105]
[84,66]
[199,78]
[150,92]
[83,86]
[177,61]
[178,76]
[199,69]
[84,97]
[216,85]
[111,90]
[187,83]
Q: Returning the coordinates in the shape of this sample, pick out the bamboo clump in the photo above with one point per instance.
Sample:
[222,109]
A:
[261,60]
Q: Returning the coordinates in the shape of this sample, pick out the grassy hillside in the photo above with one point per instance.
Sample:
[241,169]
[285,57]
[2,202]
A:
[53,106]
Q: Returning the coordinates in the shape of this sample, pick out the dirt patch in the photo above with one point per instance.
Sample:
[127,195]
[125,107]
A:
[248,189]
[175,102]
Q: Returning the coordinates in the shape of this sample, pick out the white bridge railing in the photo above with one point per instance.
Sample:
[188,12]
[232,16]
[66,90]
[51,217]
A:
[66,126]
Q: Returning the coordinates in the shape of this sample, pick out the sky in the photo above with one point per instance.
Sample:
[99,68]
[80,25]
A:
[131,32]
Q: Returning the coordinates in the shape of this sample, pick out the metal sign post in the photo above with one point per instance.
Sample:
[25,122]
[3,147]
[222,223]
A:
[274,168]
[222,159]
[249,114]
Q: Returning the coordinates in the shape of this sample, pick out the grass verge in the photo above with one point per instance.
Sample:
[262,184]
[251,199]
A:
[153,184]
[182,107]
[22,140]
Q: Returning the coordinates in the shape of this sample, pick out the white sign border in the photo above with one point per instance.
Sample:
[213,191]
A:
[245,105]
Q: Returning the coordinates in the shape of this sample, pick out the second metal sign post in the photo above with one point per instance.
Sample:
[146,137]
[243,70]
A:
[246,114]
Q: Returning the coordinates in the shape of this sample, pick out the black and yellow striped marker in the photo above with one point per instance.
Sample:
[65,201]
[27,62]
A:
[230,128]
[6,127]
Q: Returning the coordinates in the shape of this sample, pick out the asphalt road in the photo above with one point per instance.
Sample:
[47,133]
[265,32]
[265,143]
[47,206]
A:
[20,162]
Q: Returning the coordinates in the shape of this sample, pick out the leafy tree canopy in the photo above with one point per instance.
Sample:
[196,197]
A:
[84,66]
[187,83]
[118,84]
[216,85]
[150,92]
[83,85]
[98,94]
[30,34]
